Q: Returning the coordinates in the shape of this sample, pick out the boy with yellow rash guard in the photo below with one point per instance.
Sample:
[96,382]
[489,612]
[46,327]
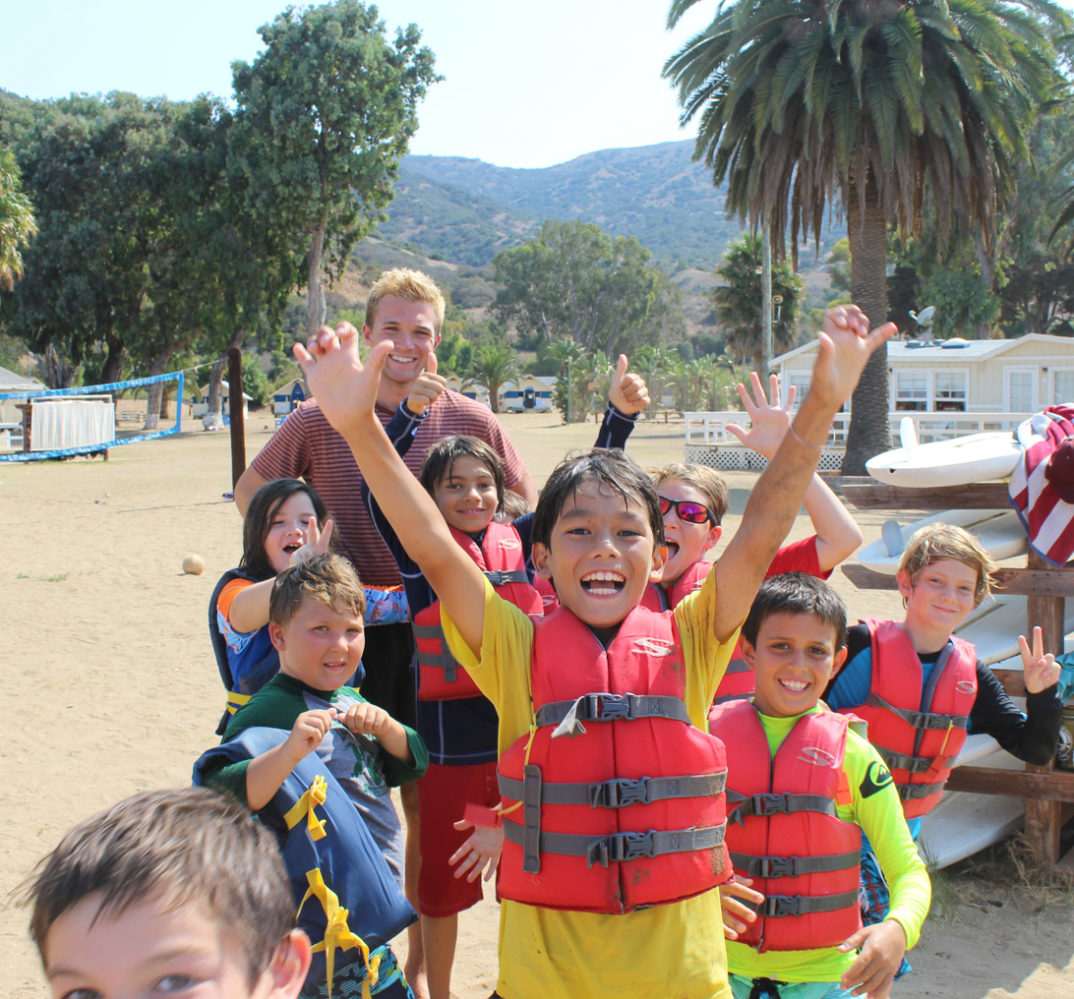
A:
[802,785]
[598,534]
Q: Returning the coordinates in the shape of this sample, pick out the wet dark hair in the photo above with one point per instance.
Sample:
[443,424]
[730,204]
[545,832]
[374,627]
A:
[607,467]
[173,848]
[797,593]
[441,457]
[263,506]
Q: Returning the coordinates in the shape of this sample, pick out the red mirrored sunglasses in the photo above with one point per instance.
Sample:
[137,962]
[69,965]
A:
[687,510]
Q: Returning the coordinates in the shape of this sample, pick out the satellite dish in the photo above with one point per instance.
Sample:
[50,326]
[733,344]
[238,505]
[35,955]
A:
[924,317]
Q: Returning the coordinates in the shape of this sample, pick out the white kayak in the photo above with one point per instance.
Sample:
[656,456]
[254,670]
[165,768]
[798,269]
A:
[955,462]
[1000,532]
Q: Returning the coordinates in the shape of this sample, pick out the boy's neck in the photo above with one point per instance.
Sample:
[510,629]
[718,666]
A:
[926,641]
[326,691]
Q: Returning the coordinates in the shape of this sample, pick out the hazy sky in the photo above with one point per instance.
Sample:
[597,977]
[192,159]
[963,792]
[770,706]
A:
[525,84]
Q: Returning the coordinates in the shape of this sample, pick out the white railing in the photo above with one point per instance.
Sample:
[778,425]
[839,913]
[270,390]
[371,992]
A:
[710,429]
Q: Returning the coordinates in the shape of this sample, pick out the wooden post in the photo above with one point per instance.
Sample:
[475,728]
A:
[1043,817]
[238,425]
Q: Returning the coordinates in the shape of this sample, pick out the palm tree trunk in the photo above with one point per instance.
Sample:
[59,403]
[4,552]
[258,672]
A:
[867,235]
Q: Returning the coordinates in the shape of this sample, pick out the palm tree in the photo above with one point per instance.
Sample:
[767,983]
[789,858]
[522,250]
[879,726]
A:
[868,105]
[493,365]
[17,222]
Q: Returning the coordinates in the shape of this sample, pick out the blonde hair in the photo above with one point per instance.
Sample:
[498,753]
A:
[410,286]
[934,542]
[708,480]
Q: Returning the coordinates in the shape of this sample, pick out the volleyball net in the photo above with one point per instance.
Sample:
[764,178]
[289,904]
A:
[83,420]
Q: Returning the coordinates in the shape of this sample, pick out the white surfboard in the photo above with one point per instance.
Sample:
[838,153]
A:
[955,462]
[999,531]
[962,824]
[994,628]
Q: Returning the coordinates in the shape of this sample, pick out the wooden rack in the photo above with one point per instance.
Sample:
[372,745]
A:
[1044,789]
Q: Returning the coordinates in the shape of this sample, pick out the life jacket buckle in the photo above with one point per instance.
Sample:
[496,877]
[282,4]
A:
[619,847]
[609,707]
[619,793]
[498,577]
[770,804]
[778,867]
[782,905]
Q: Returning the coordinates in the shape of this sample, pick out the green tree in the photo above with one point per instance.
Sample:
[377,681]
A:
[868,106]
[323,117]
[493,365]
[17,223]
[576,282]
[739,302]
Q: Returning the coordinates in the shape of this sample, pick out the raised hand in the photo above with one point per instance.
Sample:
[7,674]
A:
[317,542]
[769,420]
[845,347]
[344,388]
[737,914]
[1040,668]
[628,392]
[427,389]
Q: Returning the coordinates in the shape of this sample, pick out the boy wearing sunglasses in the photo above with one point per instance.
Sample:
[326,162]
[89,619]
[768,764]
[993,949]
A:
[693,501]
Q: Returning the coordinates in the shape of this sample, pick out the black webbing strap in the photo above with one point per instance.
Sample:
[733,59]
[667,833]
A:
[801,905]
[619,793]
[501,577]
[920,720]
[599,707]
[900,761]
[617,847]
[910,792]
[440,660]
[793,867]
[763,805]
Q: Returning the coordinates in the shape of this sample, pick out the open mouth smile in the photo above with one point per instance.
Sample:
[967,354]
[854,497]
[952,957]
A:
[604,583]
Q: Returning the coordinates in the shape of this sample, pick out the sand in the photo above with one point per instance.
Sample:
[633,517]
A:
[109,685]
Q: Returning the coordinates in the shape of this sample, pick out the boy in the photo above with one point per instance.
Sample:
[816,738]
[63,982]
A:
[922,690]
[800,783]
[638,681]
[694,499]
[164,892]
[304,731]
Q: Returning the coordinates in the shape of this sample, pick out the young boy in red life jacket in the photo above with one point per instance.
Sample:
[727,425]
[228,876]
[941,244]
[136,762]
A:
[922,690]
[802,784]
[694,500]
[612,805]
[458,794]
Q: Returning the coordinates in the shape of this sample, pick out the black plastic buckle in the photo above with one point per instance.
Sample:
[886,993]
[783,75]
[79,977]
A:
[783,905]
[770,804]
[619,793]
[613,706]
[618,848]
[779,867]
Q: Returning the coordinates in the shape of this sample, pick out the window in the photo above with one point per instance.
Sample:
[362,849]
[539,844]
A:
[1063,385]
[950,391]
[911,390]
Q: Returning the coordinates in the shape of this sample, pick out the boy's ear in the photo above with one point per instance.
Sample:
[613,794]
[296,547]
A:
[289,966]
[275,633]
[748,650]
[539,555]
[838,659]
[660,556]
[905,586]
[713,539]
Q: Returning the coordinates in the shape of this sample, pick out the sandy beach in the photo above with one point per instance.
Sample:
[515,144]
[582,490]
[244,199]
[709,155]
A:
[109,685]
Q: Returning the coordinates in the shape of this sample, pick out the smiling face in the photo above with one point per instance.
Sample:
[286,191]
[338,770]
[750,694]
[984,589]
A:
[686,542]
[142,952]
[287,529]
[412,328]
[467,495]
[320,645]
[937,601]
[792,662]
[601,554]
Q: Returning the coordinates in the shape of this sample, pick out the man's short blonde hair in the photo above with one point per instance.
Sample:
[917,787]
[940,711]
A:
[935,542]
[410,286]
[702,477]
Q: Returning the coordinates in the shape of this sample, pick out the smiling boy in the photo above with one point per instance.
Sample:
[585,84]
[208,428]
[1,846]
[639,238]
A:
[628,907]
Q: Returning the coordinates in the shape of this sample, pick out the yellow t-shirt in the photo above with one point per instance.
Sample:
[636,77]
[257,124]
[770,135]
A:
[667,950]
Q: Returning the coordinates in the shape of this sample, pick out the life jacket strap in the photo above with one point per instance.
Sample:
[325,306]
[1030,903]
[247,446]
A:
[920,720]
[316,794]
[900,761]
[910,792]
[337,935]
[793,867]
[501,577]
[235,700]
[621,792]
[601,707]
[724,698]
[624,846]
[439,660]
[764,805]
[802,905]
[736,666]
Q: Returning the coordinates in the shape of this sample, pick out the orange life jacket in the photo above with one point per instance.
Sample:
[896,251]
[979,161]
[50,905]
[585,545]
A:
[781,815]
[917,732]
[615,800]
[500,557]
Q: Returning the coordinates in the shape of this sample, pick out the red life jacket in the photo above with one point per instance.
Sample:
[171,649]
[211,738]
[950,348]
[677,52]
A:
[782,829]
[548,594]
[917,732]
[615,800]
[500,557]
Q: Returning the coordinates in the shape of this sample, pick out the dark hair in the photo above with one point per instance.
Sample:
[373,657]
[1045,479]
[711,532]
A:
[608,467]
[330,579]
[441,457]
[179,847]
[263,506]
[797,593]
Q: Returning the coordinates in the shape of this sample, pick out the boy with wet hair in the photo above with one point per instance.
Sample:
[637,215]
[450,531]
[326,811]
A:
[802,783]
[165,888]
[613,818]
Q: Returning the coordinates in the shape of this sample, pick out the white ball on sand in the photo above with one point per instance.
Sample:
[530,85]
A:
[194,565]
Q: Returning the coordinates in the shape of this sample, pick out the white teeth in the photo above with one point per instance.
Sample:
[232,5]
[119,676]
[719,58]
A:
[402,360]
[603,577]
[795,685]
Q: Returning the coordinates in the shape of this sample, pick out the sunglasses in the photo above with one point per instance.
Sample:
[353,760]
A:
[687,510]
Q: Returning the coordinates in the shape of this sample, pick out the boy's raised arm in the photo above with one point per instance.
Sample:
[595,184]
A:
[844,347]
[346,393]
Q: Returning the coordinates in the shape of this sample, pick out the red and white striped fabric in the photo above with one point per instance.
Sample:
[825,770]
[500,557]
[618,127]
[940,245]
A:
[1042,484]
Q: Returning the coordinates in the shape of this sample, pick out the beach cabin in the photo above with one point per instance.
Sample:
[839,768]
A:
[201,401]
[467,388]
[531,393]
[286,398]
[10,415]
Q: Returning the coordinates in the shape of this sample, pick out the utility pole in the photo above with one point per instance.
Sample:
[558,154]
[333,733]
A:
[766,298]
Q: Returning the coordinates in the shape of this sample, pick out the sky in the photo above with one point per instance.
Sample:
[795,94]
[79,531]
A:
[525,84]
